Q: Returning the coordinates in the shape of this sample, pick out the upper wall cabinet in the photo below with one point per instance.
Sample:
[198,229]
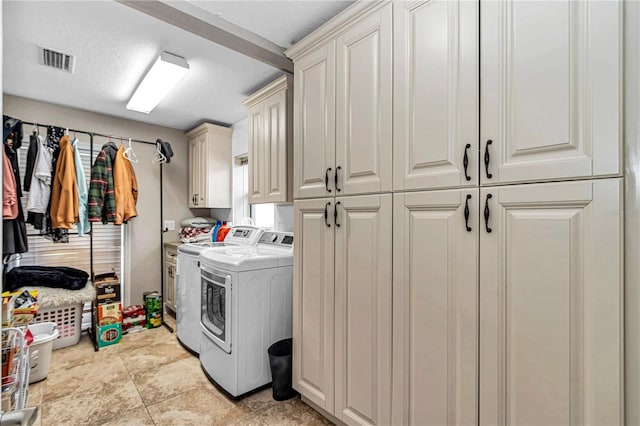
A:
[210,166]
[550,90]
[435,94]
[270,136]
[343,107]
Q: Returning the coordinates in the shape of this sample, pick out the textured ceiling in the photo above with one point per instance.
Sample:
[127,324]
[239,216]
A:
[282,22]
[114,45]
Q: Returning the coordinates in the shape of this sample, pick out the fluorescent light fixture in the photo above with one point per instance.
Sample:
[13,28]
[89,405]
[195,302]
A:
[165,73]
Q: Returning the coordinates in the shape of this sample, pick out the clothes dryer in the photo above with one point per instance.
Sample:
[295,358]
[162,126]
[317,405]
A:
[246,306]
[188,282]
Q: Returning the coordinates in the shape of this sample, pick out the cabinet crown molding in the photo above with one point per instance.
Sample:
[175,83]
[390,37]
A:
[283,82]
[209,128]
[332,28]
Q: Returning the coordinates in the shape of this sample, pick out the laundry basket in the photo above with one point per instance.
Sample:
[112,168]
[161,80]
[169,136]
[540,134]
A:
[44,334]
[69,321]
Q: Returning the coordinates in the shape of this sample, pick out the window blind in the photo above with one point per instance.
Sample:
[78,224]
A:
[108,240]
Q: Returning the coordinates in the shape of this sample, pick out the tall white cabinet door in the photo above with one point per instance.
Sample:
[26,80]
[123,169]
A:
[257,136]
[364,105]
[435,299]
[551,304]
[314,123]
[275,148]
[550,89]
[313,301]
[435,94]
[363,309]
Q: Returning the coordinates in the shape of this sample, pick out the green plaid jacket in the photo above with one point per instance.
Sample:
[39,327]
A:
[102,196]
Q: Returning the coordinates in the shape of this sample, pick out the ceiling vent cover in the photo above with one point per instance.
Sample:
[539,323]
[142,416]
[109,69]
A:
[58,60]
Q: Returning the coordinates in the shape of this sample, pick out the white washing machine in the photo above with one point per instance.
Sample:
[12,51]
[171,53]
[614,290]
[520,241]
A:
[246,307]
[188,282]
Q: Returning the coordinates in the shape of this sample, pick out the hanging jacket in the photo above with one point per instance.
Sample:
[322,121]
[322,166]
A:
[102,203]
[126,187]
[32,154]
[9,191]
[14,231]
[83,191]
[64,193]
[40,190]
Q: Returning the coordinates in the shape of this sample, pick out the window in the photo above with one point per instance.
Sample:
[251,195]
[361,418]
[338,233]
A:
[263,215]
[240,189]
[108,239]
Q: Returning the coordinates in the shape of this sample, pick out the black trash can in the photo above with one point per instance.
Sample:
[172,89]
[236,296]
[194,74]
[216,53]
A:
[281,369]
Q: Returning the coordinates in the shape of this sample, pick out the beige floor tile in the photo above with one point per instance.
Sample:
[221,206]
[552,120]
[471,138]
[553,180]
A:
[290,412]
[92,409]
[200,406]
[140,357]
[158,384]
[35,393]
[92,379]
[137,417]
[82,353]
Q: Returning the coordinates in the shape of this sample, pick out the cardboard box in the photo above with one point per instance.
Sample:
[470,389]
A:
[109,314]
[107,293]
[108,335]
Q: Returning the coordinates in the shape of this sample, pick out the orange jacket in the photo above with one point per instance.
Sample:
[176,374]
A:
[64,193]
[126,187]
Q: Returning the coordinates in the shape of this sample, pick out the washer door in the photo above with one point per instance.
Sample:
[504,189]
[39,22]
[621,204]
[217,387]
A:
[216,306]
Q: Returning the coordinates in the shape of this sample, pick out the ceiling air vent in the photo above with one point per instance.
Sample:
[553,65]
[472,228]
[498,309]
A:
[58,60]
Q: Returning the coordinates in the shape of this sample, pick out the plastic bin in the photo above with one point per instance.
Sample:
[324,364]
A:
[40,349]
[69,321]
[281,369]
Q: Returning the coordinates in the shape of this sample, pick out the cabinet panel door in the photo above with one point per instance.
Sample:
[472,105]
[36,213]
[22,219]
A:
[363,105]
[550,89]
[435,94]
[314,122]
[313,302]
[363,310]
[202,175]
[435,299]
[256,154]
[551,305]
[275,148]
[193,171]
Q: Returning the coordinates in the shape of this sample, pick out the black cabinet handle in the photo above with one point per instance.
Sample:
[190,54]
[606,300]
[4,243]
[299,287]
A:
[335,214]
[487,158]
[466,213]
[326,214]
[336,178]
[465,161]
[326,179]
[486,213]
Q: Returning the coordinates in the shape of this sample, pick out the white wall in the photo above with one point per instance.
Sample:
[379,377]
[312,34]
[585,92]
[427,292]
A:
[143,231]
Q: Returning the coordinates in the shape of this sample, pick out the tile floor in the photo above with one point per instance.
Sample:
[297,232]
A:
[148,379]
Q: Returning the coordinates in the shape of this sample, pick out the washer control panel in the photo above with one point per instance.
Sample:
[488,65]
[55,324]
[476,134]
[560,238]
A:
[282,239]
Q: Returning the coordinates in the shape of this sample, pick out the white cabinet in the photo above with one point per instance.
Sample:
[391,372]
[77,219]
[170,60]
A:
[170,276]
[270,140]
[343,111]
[314,302]
[364,69]
[342,310]
[550,90]
[314,122]
[551,304]
[435,94]
[435,307]
[210,166]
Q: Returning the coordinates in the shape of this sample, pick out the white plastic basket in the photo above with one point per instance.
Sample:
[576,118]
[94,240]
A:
[69,320]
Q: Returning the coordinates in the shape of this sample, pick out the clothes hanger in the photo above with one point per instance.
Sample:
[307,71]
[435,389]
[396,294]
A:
[129,154]
[159,156]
